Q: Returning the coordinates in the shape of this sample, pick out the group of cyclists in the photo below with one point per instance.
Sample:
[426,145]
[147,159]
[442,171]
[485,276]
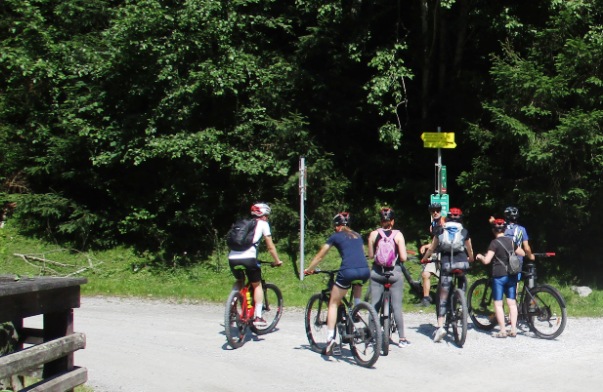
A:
[355,264]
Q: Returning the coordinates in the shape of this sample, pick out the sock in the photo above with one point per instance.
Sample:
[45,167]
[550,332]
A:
[356,301]
[330,334]
[258,310]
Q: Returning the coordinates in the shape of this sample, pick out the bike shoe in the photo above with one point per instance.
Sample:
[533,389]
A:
[259,322]
[332,348]
[403,343]
[426,301]
[439,335]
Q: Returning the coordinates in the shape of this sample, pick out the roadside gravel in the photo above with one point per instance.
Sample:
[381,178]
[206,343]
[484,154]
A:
[138,345]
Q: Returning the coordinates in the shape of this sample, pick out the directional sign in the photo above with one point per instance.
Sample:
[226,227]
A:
[438,139]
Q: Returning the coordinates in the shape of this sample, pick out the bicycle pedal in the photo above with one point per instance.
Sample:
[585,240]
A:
[337,350]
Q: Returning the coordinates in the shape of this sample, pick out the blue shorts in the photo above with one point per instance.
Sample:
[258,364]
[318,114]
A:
[506,285]
[345,277]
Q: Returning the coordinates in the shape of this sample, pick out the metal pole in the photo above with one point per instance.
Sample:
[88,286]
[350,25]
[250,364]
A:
[302,194]
[439,168]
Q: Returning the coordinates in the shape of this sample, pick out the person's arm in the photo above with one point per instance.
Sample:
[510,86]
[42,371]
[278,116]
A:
[319,256]
[371,244]
[272,250]
[520,252]
[430,250]
[402,254]
[527,250]
[469,248]
[485,259]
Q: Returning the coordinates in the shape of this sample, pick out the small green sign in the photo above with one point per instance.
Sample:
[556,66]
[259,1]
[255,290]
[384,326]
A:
[443,200]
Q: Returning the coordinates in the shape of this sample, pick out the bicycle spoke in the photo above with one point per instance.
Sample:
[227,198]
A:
[367,336]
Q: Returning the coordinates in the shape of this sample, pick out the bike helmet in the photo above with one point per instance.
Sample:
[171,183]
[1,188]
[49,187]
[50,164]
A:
[434,207]
[260,209]
[387,214]
[341,219]
[499,225]
[511,214]
[455,215]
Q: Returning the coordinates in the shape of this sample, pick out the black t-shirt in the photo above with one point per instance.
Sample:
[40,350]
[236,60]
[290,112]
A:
[501,247]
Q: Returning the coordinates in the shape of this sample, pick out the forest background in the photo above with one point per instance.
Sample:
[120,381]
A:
[153,124]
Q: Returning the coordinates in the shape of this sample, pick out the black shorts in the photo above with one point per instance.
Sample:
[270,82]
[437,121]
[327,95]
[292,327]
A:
[252,269]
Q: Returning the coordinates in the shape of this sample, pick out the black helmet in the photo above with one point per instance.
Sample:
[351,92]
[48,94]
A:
[511,214]
[386,214]
[341,219]
[434,207]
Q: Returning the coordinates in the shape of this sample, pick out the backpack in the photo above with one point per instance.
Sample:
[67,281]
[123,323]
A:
[451,238]
[385,254]
[240,235]
[513,265]
[512,231]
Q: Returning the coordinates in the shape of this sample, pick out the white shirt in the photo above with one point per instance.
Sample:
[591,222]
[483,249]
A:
[262,229]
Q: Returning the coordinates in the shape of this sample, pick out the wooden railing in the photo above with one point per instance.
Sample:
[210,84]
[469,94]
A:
[54,344]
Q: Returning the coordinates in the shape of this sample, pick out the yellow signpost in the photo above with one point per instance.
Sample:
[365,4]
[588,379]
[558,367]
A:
[438,140]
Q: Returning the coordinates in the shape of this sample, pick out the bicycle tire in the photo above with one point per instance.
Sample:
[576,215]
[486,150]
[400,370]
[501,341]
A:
[272,309]
[315,320]
[385,323]
[458,317]
[235,326]
[366,342]
[545,311]
[480,305]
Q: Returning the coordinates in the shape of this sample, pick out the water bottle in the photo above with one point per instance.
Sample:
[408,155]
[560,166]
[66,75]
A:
[248,294]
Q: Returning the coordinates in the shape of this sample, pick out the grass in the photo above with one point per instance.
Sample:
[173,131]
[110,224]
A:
[120,272]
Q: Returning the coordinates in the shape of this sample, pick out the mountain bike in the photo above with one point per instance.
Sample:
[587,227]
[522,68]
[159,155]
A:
[356,325]
[386,312]
[540,306]
[456,309]
[240,310]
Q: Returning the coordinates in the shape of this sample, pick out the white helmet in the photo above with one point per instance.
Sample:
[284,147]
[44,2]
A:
[260,209]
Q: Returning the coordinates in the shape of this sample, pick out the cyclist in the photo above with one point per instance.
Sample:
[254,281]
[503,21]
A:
[518,233]
[449,261]
[431,269]
[354,266]
[502,282]
[378,279]
[248,258]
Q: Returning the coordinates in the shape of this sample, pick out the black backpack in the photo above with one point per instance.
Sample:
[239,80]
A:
[240,235]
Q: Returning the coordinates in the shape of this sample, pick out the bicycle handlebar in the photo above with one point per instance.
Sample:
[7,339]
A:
[545,254]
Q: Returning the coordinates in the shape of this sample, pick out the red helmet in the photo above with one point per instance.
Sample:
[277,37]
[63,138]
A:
[260,209]
[455,215]
[499,225]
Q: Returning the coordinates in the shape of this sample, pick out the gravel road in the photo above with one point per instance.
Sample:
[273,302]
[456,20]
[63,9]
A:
[150,346]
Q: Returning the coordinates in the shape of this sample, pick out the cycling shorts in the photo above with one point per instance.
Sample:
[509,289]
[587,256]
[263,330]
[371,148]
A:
[252,269]
[345,277]
[506,285]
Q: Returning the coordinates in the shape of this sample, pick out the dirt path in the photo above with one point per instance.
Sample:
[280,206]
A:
[152,346]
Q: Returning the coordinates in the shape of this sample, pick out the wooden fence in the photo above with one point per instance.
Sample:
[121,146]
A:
[53,345]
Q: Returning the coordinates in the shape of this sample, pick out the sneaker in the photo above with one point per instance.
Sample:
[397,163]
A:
[439,334]
[259,322]
[426,301]
[330,348]
[403,343]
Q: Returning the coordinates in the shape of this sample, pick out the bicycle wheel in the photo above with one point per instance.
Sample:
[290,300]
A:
[316,322]
[480,306]
[366,342]
[385,317]
[458,318]
[272,310]
[545,311]
[235,326]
